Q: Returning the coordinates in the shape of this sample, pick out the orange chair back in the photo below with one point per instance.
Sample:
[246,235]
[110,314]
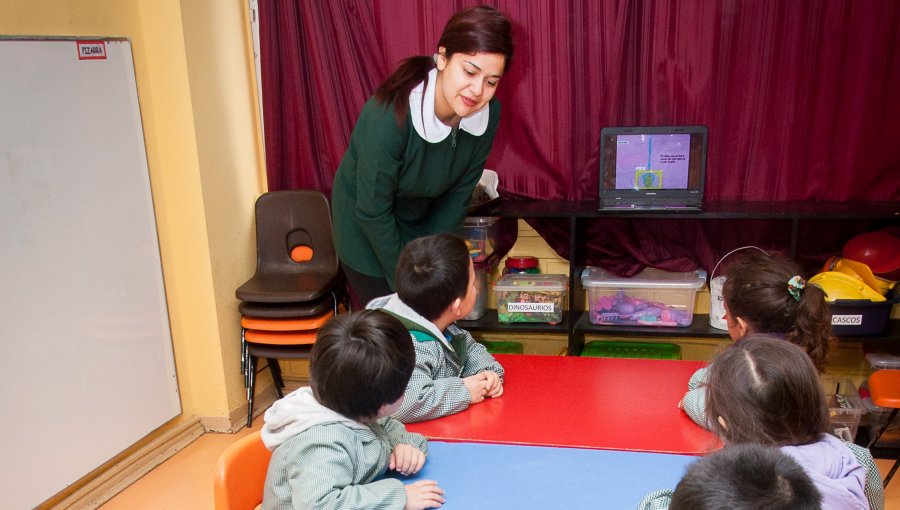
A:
[884,385]
[241,474]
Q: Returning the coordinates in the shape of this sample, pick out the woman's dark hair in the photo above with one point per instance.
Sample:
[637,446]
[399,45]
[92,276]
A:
[767,391]
[757,291]
[432,272]
[479,29]
[360,362]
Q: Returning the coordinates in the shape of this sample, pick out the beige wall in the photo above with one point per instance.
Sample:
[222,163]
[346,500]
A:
[199,116]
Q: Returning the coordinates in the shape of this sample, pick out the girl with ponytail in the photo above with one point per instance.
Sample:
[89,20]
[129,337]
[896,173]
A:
[419,148]
[766,294]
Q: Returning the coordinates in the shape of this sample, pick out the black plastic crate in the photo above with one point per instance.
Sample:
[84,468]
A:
[853,317]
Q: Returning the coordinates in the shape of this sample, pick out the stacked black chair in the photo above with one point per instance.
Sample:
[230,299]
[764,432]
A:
[297,286]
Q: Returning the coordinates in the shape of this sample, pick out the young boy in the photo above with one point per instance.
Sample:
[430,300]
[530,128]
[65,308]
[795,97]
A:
[435,288]
[334,440]
[740,477]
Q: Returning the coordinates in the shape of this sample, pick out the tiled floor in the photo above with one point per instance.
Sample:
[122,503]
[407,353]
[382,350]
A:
[186,480]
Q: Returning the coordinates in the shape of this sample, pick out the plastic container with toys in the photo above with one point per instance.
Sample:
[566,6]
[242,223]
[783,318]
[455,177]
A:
[483,270]
[650,298]
[531,297]
[845,408]
[480,234]
[526,264]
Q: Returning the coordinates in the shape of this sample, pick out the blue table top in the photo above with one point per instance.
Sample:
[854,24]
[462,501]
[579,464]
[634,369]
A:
[478,475]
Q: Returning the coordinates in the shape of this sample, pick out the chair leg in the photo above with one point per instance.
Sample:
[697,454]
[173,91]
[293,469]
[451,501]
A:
[244,354]
[276,376]
[884,427]
[874,440]
[893,470]
[251,362]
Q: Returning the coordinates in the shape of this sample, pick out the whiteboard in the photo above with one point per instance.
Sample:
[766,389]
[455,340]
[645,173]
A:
[89,368]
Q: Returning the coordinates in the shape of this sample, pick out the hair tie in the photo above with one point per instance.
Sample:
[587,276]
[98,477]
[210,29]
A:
[795,285]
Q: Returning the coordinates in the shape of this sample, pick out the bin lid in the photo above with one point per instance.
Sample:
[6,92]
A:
[537,282]
[595,277]
[883,360]
[480,221]
[525,262]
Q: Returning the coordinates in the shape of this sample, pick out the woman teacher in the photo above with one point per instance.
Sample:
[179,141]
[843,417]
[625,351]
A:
[419,148]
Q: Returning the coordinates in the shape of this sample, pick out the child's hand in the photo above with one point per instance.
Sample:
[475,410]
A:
[477,386]
[494,384]
[407,459]
[423,494]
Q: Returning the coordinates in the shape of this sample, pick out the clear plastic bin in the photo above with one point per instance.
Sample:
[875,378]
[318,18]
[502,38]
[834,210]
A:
[845,408]
[480,234]
[483,271]
[652,297]
[882,360]
[531,297]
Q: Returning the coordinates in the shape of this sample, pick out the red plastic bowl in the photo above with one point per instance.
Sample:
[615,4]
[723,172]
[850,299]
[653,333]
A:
[879,250]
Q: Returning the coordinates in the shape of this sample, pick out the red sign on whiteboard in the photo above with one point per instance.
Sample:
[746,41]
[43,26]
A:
[91,50]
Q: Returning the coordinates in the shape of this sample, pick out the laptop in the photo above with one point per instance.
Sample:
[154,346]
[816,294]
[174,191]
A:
[658,168]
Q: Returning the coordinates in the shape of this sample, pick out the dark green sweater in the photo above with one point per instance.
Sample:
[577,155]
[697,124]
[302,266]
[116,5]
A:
[393,186]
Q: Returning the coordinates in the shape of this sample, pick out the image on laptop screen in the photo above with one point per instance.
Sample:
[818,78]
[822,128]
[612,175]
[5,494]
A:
[652,167]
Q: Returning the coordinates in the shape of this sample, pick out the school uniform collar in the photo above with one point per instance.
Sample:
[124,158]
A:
[426,123]
[394,305]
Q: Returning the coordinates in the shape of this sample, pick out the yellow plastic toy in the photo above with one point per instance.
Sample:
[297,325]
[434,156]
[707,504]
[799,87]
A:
[860,271]
[838,285]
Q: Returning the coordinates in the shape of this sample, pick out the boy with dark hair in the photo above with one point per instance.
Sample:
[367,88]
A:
[435,288]
[333,441]
[740,477]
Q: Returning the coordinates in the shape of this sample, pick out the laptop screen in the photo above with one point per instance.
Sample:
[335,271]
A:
[652,166]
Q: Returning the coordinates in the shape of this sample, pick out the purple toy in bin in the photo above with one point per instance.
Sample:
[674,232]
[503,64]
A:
[624,309]
[651,298]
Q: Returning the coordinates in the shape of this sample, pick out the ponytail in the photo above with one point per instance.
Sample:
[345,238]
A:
[767,293]
[395,90]
[812,326]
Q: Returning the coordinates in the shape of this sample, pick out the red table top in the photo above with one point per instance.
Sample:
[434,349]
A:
[568,401]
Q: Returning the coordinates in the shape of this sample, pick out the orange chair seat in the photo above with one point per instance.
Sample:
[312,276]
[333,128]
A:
[241,474]
[281,337]
[286,324]
[884,386]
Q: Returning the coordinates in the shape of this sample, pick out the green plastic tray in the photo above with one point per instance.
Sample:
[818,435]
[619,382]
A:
[502,347]
[645,350]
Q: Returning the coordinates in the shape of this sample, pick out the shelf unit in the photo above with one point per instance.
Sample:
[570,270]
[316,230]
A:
[575,322]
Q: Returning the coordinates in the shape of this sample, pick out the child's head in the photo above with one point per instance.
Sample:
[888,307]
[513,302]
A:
[360,363]
[434,273]
[765,390]
[746,477]
[765,294]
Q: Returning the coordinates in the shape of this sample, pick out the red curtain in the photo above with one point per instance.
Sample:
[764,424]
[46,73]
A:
[800,98]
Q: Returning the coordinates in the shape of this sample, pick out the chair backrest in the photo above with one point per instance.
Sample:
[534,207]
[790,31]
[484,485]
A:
[288,219]
[241,474]
[884,386]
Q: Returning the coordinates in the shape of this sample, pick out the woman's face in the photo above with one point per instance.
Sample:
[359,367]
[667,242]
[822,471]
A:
[465,84]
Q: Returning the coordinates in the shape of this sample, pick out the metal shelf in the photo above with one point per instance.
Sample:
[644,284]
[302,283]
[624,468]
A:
[576,324]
